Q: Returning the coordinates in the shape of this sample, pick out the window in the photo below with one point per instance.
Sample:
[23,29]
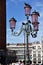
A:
[20,51]
[30,57]
[34,47]
[42,41]
[34,51]
[42,61]
[42,57]
[39,55]
[39,60]
[34,55]
[34,60]
[39,47]
[21,57]
[39,51]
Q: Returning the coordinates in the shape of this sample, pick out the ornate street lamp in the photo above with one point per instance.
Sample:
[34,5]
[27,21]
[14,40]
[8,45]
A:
[27,9]
[35,20]
[27,28]
[12,23]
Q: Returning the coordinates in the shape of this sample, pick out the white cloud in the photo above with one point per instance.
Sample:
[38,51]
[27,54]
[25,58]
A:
[18,1]
[14,1]
[39,4]
[41,14]
[19,24]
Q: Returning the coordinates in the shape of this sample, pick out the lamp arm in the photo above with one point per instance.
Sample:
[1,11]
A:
[34,34]
[18,33]
[20,30]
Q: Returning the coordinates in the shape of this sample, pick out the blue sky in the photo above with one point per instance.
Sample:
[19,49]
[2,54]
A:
[16,8]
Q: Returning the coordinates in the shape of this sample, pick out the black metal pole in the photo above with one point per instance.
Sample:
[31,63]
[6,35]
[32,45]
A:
[27,51]
[27,42]
[24,49]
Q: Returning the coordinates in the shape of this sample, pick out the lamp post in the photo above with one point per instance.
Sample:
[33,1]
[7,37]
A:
[27,28]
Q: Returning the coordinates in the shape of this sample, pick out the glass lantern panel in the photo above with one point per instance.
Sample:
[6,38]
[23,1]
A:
[12,24]
[34,18]
[36,27]
[27,11]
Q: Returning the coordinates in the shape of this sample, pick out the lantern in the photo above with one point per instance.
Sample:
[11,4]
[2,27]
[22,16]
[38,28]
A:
[12,23]
[36,27]
[35,17]
[27,9]
[35,20]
